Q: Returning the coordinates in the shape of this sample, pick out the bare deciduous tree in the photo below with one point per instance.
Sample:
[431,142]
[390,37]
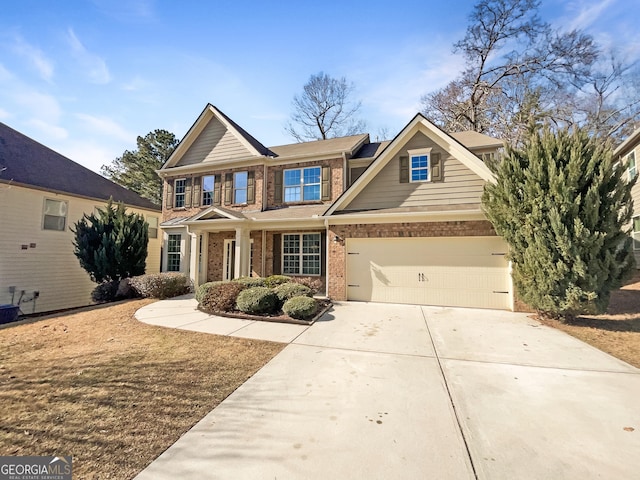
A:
[324,110]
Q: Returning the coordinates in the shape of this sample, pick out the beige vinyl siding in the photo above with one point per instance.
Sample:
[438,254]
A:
[50,267]
[635,195]
[460,186]
[215,143]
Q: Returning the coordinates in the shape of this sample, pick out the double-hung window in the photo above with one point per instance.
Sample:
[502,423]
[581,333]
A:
[301,254]
[208,185]
[631,165]
[636,233]
[180,191]
[55,215]
[302,184]
[419,165]
[240,183]
[173,252]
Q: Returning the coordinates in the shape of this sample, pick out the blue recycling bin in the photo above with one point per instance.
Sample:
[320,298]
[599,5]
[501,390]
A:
[9,313]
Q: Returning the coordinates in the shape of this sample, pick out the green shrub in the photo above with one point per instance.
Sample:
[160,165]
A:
[257,300]
[203,289]
[105,292]
[161,285]
[289,290]
[250,282]
[275,280]
[300,307]
[220,296]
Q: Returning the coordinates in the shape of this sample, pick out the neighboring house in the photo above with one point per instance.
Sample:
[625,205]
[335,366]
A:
[397,221]
[43,194]
[628,153]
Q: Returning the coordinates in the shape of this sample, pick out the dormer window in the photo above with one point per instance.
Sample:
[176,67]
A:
[419,165]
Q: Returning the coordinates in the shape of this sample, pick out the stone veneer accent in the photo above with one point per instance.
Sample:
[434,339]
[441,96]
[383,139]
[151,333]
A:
[337,250]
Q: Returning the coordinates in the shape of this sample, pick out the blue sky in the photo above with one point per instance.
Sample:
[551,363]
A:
[87,77]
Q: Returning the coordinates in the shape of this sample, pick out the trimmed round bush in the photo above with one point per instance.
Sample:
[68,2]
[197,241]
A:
[203,289]
[250,282]
[105,292]
[275,280]
[301,308]
[221,296]
[257,300]
[161,285]
[289,290]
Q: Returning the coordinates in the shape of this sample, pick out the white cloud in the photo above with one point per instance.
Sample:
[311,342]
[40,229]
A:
[585,14]
[4,114]
[35,57]
[105,126]
[39,105]
[136,84]
[87,153]
[95,67]
[127,10]
[49,130]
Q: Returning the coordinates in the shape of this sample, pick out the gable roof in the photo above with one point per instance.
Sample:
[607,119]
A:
[473,140]
[210,112]
[320,147]
[25,162]
[418,124]
[629,143]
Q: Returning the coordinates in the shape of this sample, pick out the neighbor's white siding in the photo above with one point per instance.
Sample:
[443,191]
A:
[48,264]
[215,143]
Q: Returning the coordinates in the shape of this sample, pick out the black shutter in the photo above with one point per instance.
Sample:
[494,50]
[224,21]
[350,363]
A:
[404,169]
[436,167]
[277,183]
[277,254]
[326,183]
[251,188]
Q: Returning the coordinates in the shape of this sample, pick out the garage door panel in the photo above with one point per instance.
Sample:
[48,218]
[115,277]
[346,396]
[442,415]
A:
[461,271]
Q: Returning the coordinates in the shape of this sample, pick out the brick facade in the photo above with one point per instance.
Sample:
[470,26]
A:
[215,254]
[337,249]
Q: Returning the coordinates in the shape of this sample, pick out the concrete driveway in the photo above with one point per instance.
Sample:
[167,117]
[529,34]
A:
[396,391]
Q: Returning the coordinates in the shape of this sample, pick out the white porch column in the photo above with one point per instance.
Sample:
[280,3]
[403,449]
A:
[243,253]
[194,264]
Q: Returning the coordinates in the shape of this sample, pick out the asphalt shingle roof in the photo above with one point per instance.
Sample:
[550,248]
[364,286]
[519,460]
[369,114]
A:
[26,162]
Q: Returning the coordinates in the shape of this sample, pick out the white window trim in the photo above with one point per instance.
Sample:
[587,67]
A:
[153,227]
[65,216]
[632,173]
[301,184]
[417,153]
[635,234]
[178,253]
[236,189]
[300,254]
[183,194]
[208,191]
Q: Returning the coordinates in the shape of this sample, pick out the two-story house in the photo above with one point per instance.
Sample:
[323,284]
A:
[628,154]
[397,221]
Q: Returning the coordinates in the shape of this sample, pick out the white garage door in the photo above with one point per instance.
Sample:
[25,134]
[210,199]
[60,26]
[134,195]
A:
[448,271]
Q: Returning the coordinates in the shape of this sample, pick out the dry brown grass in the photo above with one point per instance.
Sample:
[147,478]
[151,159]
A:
[618,331]
[111,391]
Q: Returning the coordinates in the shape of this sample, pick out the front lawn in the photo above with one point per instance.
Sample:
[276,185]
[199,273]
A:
[113,392]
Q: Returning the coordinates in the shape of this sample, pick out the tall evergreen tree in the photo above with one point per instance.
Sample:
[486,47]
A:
[111,244]
[136,170]
[564,208]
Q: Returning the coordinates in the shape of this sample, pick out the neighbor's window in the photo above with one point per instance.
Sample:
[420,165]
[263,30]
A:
[153,227]
[419,165]
[636,233]
[240,187]
[301,254]
[302,184]
[631,165]
[180,192]
[173,252]
[208,184]
[55,215]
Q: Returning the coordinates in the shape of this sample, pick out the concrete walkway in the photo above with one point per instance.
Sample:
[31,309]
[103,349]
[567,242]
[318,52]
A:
[397,391]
